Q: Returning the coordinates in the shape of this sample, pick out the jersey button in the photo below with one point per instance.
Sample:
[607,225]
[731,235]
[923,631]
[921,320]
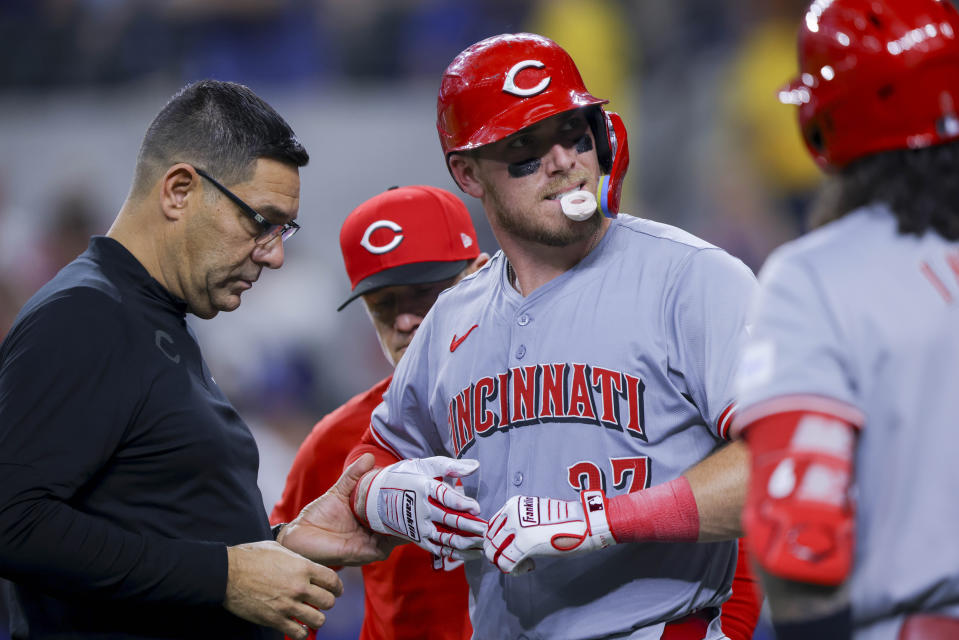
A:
[523,320]
[518,478]
[521,352]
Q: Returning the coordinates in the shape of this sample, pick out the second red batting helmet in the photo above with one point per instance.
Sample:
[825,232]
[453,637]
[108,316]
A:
[876,75]
[503,84]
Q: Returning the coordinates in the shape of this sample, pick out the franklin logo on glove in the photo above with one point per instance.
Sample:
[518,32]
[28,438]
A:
[529,514]
[528,526]
[409,509]
[410,499]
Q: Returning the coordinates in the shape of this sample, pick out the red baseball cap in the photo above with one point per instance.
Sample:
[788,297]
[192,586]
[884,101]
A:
[406,235]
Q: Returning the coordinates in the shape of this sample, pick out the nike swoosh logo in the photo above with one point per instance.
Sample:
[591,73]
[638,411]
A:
[458,341]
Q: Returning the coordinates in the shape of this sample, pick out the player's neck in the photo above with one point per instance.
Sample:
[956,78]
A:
[530,265]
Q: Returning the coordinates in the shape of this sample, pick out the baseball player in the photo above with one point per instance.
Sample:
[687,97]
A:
[846,385]
[580,384]
[401,248]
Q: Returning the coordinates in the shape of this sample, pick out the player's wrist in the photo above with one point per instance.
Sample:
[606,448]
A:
[359,497]
[664,513]
[596,513]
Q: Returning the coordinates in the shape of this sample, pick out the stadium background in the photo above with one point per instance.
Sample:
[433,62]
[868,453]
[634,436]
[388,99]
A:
[695,80]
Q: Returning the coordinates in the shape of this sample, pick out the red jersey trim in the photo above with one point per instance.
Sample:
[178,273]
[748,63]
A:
[384,444]
[725,421]
[797,402]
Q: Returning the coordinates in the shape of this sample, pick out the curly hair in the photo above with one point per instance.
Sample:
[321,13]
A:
[920,186]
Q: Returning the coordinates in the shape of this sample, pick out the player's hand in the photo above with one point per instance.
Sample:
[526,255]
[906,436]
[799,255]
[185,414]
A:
[326,531]
[271,586]
[528,526]
[408,499]
[446,563]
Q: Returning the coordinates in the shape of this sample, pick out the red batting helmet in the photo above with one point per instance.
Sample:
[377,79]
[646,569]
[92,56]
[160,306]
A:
[876,75]
[508,82]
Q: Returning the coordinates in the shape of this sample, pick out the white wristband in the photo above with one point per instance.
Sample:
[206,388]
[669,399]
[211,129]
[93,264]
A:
[597,522]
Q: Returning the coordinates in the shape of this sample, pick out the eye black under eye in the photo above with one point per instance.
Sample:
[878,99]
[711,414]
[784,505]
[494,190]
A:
[524,168]
[584,144]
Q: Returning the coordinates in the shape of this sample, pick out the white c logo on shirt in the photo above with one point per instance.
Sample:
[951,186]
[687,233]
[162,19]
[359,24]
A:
[510,85]
[382,224]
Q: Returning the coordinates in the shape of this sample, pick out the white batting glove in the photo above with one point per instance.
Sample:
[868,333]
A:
[441,563]
[408,499]
[528,526]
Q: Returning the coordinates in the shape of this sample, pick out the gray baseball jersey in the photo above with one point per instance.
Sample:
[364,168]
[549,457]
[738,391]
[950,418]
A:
[616,375]
[859,321]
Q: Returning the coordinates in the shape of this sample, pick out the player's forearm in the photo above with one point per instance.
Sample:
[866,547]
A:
[719,487]
[664,513]
[703,505]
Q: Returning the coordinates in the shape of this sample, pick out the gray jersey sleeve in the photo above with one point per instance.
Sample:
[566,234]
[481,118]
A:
[796,356]
[706,310]
[402,422]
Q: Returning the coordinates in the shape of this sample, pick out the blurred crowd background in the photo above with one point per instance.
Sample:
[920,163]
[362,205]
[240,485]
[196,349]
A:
[712,150]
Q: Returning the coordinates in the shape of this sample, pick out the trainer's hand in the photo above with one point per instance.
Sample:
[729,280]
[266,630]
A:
[408,499]
[326,531]
[528,526]
[270,585]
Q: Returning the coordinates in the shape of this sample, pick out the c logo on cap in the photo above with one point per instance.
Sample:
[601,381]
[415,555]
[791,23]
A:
[382,224]
[510,85]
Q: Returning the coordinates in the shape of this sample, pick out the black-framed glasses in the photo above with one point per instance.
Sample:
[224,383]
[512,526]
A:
[270,231]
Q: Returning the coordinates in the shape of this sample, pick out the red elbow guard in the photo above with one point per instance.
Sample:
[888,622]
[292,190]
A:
[799,515]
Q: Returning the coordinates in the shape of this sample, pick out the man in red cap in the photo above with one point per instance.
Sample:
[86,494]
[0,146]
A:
[401,248]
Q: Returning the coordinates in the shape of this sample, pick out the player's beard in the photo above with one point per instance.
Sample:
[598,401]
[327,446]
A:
[527,227]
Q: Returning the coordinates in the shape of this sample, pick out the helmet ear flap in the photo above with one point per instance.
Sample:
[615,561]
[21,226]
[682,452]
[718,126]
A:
[617,162]
[599,123]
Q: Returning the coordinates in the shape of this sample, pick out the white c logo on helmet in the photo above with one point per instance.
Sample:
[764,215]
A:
[380,224]
[510,85]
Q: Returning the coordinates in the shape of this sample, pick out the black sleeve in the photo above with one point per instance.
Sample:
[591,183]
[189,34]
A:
[69,389]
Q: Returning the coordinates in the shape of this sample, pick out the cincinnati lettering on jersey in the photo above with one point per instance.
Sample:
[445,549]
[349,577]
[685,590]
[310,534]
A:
[560,392]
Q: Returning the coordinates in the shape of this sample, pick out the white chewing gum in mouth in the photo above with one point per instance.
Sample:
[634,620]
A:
[578,205]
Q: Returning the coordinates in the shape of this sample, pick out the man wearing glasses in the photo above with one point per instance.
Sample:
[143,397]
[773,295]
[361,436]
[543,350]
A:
[128,498]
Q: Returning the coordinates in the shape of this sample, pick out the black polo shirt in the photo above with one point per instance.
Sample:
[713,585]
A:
[124,470]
